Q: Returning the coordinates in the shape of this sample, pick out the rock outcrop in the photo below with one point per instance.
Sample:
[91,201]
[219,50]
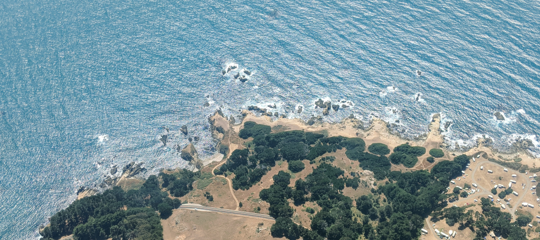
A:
[189,153]
[132,169]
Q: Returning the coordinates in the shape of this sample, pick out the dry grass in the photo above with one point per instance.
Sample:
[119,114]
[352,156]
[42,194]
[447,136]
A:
[189,224]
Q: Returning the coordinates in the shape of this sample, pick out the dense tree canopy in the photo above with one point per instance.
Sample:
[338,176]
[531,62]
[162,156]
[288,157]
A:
[437,153]
[104,216]
[379,149]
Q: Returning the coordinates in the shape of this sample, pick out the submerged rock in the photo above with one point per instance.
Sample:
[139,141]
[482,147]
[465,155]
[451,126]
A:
[247,72]
[206,104]
[335,107]
[184,130]
[236,75]
[300,108]
[243,79]
[325,112]
[314,120]
[320,103]
[499,116]
[196,138]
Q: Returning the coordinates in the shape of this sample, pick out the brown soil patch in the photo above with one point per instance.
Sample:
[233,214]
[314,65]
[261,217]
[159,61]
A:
[189,224]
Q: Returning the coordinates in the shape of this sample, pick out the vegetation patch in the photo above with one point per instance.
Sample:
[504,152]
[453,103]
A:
[406,155]
[436,153]
[379,149]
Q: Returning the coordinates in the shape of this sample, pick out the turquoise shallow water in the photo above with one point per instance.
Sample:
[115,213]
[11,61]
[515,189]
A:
[89,84]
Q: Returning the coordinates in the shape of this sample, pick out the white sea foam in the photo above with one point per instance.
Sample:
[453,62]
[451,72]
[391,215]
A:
[103,138]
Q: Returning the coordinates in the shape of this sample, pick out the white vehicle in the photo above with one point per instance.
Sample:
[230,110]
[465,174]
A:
[481,167]
[533,180]
[460,188]
[474,160]
[496,185]
[424,231]
[489,171]
[474,185]
[530,225]
[533,187]
[450,232]
[454,235]
[514,175]
[534,175]
[446,236]
[502,206]
[509,199]
[513,181]
[501,186]
[537,216]
[498,200]
[515,193]
[475,200]
[509,185]
[524,204]
[506,170]
[530,205]
[489,196]
[453,182]
[437,231]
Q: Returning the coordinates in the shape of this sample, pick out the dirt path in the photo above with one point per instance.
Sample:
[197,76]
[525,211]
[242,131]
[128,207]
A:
[230,184]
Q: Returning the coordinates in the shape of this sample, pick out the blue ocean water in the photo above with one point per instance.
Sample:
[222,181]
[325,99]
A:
[85,85]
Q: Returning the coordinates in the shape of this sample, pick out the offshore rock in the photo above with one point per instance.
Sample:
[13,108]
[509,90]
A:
[163,139]
[184,130]
[243,79]
[335,107]
[300,108]
[314,120]
[499,116]
[247,72]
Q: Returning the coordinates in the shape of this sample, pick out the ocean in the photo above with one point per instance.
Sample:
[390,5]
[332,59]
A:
[85,85]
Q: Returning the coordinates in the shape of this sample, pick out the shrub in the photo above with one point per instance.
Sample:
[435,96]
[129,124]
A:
[379,149]
[435,152]
[296,166]
[431,159]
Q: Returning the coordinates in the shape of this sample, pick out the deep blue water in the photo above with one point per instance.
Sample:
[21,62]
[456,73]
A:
[83,82]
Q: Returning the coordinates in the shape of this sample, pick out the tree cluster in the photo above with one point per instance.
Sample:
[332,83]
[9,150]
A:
[115,214]
[407,155]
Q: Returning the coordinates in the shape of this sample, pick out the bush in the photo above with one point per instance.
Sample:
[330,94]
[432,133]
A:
[296,166]
[494,191]
[430,159]
[464,194]
[379,149]
[523,220]
[435,152]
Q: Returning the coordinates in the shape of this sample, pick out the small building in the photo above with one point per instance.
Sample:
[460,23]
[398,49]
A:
[515,193]
[424,231]
[489,171]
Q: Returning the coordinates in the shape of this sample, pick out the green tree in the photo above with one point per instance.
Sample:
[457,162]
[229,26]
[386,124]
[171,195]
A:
[379,149]
[165,210]
[296,166]
[437,153]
